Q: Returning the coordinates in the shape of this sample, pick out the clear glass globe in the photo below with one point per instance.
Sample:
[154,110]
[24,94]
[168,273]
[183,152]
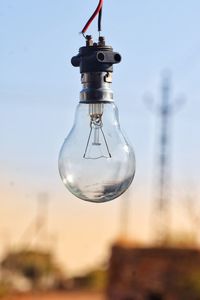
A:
[96,163]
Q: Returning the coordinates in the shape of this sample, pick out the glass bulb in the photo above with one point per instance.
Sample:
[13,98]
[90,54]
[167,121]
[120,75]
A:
[96,163]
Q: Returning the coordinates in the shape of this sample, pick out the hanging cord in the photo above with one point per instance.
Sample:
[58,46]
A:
[99,21]
[98,11]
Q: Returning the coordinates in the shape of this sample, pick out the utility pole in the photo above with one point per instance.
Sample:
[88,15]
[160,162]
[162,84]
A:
[42,215]
[165,111]
[124,216]
[37,232]
[164,178]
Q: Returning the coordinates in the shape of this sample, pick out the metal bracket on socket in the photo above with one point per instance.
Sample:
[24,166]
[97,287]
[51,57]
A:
[97,77]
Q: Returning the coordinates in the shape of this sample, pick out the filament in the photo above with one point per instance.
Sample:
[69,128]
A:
[96,146]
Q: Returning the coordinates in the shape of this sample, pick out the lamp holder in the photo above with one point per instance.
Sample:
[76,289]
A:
[96,61]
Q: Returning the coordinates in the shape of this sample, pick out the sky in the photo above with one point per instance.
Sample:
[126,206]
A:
[39,91]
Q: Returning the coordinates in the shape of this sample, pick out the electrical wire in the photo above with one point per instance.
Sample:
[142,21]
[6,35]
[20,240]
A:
[99,20]
[98,11]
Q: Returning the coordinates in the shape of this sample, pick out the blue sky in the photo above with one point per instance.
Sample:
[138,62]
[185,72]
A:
[39,91]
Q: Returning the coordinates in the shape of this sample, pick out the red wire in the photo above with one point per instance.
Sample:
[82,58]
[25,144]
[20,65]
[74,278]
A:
[93,17]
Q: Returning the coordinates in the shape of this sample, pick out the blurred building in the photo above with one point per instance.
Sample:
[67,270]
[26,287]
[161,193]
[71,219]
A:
[154,274]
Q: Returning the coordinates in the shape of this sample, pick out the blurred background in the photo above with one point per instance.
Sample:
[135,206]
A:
[51,241]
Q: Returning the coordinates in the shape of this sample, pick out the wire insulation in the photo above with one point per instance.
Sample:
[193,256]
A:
[99,20]
[97,11]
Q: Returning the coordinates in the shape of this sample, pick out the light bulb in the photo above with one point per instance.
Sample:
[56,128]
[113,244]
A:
[96,163]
